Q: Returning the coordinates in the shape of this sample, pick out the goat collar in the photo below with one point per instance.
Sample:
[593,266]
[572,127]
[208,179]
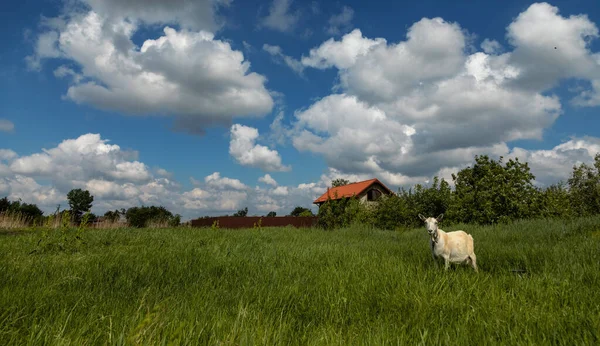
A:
[434,236]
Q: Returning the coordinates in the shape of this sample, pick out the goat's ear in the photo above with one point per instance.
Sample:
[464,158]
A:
[421,217]
[440,217]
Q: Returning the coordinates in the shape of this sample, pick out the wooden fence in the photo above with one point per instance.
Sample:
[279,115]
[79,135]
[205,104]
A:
[250,221]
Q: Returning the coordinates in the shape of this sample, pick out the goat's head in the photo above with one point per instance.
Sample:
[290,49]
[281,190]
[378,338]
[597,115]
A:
[431,223]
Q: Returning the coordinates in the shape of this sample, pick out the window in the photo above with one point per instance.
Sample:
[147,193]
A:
[373,195]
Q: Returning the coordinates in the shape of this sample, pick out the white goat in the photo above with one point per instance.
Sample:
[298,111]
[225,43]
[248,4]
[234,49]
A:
[456,247]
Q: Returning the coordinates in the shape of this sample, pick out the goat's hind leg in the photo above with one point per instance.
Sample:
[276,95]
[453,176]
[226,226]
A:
[473,260]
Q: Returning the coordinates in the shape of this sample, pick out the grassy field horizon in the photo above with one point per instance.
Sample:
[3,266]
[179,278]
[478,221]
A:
[538,284]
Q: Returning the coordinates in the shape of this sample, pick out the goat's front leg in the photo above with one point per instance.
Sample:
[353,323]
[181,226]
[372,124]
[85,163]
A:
[435,259]
[446,263]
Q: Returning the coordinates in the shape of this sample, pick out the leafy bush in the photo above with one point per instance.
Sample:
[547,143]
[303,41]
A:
[143,216]
[301,211]
[241,212]
[584,188]
[28,212]
[490,193]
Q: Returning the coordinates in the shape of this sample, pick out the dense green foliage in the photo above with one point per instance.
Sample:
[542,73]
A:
[301,211]
[537,285]
[143,216]
[241,212]
[30,211]
[114,215]
[339,182]
[489,192]
[80,201]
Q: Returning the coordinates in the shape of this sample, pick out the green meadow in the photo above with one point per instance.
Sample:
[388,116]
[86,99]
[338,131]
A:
[539,284]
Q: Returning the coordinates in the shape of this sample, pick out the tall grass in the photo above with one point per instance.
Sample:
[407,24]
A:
[9,220]
[538,284]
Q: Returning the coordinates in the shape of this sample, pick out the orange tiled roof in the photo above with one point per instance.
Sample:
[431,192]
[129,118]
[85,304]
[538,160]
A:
[349,190]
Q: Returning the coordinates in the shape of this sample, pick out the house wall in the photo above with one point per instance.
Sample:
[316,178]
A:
[363,196]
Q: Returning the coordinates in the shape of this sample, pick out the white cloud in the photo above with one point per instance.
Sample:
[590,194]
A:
[556,164]
[341,54]
[29,191]
[164,173]
[280,191]
[186,74]
[278,131]
[456,103]
[216,181]
[279,57]
[6,125]
[7,154]
[46,47]
[246,152]
[433,52]
[63,71]
[549,47]
[85,158]
[280,18]
[491,46]
[341,22]
[267,179]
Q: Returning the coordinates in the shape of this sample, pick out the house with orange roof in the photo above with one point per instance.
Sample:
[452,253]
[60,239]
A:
[368,191]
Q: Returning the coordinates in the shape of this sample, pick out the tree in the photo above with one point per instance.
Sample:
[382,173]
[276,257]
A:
[30,211]
[175,221]
[307,212]
[80,201]
[554,201]
[141,216]
[584,187]
[489,192]
[4,204]
[298,210]
[241,212]
[113,216]
[339,182]
[271,214]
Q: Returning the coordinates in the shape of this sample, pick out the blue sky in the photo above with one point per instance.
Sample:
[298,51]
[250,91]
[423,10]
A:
[210,106]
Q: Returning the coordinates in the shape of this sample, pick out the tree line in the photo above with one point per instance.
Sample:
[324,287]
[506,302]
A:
[80,203]
[489,192]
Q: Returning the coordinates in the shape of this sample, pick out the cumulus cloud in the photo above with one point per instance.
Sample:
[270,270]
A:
[6,125]
[427,104]
[182,73]
[341,54]
[550,47]
[279,57]
[84,158]
[341,22]
[7,154]
[246,152]
[491,46]
[556,164]
[267,179]
[280,18]
[29,191]
[216,181]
